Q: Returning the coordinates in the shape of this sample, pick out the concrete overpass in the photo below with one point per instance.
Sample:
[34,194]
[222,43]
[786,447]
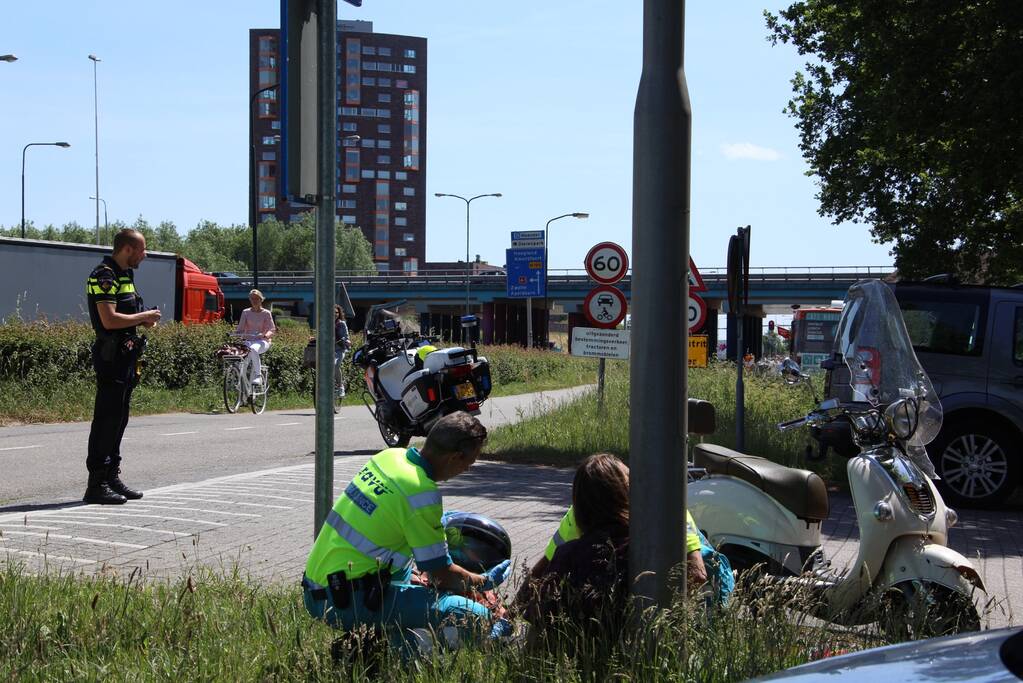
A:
[439,297]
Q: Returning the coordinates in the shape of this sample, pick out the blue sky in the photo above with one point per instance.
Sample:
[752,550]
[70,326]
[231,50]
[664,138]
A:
[533,100]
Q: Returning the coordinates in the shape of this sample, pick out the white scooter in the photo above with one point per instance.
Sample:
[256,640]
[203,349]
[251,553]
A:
[759,513]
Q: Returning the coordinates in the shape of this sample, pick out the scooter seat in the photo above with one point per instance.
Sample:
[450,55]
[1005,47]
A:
[802,492]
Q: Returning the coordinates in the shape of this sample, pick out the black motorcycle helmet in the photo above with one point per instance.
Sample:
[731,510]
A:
[475,542]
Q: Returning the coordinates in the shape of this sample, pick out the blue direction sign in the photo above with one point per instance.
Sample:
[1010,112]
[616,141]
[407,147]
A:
[525,273]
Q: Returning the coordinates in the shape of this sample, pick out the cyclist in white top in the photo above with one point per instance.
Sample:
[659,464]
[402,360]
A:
[256,327]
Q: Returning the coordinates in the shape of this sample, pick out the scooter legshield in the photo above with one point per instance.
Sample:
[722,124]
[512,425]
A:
[909,558]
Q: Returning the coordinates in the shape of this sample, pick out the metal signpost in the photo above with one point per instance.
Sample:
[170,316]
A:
[525,265]
[605,306]
[660,250]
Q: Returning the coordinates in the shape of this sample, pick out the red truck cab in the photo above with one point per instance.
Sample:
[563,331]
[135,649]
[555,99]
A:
[199,298]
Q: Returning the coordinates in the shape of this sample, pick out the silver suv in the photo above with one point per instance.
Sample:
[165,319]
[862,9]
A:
[970,341]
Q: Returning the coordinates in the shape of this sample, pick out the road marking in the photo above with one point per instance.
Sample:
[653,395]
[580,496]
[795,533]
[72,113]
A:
[178,433]
[47,555]
[264,495]
[30,526]
[176,519]
[120,526]
[19,448]
[234,429]
[287,424]
[215,512]
[212,499]
[134,546]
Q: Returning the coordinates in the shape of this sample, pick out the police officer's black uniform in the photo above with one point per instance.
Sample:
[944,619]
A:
[115,356]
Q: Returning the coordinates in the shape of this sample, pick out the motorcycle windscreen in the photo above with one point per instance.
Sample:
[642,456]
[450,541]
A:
[883,367]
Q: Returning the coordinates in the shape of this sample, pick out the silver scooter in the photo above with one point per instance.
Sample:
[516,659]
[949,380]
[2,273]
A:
[761,514]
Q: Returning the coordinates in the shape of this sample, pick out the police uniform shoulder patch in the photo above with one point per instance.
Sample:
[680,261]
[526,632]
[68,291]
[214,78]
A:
[104,278]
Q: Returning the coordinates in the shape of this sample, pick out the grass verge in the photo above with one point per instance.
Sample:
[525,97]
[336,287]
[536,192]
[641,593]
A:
[216,627]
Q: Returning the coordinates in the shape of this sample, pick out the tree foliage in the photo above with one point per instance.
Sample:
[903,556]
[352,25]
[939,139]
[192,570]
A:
[910,114]
[282,246]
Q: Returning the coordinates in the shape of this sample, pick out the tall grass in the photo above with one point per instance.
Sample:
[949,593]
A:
[211,627]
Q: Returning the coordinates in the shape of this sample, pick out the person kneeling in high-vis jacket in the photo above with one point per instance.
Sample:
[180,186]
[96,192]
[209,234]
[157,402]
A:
[360,566]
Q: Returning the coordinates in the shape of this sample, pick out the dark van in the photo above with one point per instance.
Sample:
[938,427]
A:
[969,339]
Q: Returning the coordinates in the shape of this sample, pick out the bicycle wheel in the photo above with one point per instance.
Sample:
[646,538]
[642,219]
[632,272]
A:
[232,387]
[257,399]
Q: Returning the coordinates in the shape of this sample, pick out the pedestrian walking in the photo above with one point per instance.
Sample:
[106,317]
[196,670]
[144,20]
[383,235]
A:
[115,310]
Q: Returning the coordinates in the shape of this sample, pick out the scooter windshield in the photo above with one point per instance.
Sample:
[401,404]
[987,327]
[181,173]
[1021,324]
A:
[883,368]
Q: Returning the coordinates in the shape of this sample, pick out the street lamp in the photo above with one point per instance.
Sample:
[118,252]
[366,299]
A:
[8,58]
[95,106]
[106,223]
[467,265]
[23,150]
[546,267]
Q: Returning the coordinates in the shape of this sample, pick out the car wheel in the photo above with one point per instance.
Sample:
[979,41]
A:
[977,463]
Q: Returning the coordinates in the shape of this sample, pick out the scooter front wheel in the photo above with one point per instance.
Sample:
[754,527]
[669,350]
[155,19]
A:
[912,610]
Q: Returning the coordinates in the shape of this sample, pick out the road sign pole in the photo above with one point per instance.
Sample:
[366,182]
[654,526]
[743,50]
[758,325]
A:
[660,252]
[326,27]
[529,322]
[601,369]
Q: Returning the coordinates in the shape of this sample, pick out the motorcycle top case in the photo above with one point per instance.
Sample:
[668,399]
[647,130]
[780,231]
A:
[420,395]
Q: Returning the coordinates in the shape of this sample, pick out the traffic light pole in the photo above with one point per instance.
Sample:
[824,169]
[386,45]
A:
[660,289]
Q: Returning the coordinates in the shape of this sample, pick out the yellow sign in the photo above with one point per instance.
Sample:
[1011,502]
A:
[697,350]
[535,265]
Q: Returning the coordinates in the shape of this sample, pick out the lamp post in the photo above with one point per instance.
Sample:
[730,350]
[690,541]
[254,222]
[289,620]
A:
[106,223]
[546,267]
[467,264]
[23,150]
[8,58]
[95,105]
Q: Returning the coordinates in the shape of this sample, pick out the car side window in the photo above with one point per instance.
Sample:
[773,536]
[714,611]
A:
[1017,338]
[953,327]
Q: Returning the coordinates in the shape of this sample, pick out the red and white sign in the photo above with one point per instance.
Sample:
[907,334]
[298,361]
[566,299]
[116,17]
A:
[607,263]
[696,309]
[605,307]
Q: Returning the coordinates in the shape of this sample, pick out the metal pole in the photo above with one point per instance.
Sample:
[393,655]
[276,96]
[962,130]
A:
[467,202]
[95,106]
[326,26]
[23,150]
[601,370]
[660,247]
[529,322]
[740,392]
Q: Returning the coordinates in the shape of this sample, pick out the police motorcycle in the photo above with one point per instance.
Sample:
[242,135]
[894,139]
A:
[764,515]
[410,386]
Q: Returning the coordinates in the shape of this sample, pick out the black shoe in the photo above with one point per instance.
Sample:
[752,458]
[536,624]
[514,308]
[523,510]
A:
[101,494]
[117,486]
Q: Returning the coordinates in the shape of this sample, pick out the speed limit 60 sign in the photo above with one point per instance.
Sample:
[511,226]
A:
[607,263]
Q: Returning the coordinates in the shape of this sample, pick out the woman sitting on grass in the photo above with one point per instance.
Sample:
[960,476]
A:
[586,581]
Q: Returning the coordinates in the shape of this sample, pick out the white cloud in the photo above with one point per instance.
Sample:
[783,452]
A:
[747,150]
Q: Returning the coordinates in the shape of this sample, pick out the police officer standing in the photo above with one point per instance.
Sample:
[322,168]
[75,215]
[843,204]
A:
[115,309]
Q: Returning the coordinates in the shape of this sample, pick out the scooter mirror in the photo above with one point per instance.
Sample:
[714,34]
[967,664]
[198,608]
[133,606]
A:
[702,417]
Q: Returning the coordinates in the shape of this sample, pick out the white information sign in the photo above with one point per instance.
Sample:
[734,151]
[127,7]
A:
[592,342]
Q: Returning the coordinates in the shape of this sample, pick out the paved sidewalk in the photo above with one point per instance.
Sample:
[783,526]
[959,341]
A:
[261,523]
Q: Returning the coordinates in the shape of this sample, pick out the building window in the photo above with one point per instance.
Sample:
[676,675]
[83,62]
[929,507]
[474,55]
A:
[368,142]
[346,203]
[369,80]
[384,113]
[269,156]
[270,140]
[368,50]
[410,265]
[385,66]
[384,51]
[408,68]
[401,84]
[369,66]
[345,142]
[366,111]
[400,175]
[384,82]
[409,191]
[367,173]
[275,125]
[349,220]
[400,206]
[384,144]
[267,110]
[267,78]
[383,128]
[349,126]
[349,189]
[384,97]
[384,174]
[267,44]
[349,111]
[399,251]
[409,54]
[409,237]
[401,221]
[267,203]
[381,158]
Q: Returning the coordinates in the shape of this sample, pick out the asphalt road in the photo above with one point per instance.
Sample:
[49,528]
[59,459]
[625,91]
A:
[46,463]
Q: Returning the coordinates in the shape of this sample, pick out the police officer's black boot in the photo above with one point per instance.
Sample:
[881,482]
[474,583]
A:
[117,486]
[99,491]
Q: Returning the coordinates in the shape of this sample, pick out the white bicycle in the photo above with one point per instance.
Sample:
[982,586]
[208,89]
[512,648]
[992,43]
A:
[238,389]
